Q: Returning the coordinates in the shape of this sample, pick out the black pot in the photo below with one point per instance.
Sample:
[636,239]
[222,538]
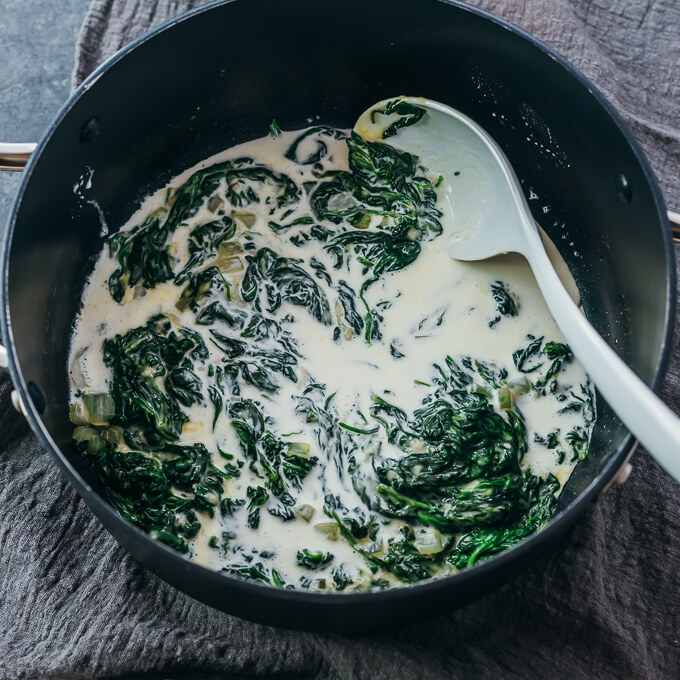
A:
[217,77]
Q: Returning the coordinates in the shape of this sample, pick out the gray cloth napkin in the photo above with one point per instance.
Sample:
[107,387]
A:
[604,604]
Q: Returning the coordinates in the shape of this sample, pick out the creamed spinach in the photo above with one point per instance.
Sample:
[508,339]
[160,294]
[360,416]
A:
[278,372]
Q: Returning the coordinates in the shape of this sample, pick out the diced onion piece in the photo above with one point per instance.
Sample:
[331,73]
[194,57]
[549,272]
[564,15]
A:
[159,212]
[229,248]
[113,435]
[214,203]
[247,218]
[506,399]
[300,449]
[83,434]
[77,414]
[520,385]
[95,446]
[343,201]
[305,512]
[478,389]
[339,313]
[429,542]
[77,370]
[99,408]
[230,265]
[184,300]
[328,529]
[364,222]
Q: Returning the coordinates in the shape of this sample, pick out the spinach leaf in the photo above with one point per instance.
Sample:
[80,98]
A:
[409,115]
[290,283]
[313,560]
[321,150]
[522,356]
[142,252]
[138,361]
[505,303]
[204,242]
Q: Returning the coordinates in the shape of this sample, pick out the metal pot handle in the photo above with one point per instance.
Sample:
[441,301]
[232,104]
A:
[674,219]
[16,399]
[15,156]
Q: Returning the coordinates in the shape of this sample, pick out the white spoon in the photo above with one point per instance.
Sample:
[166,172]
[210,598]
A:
[492,217]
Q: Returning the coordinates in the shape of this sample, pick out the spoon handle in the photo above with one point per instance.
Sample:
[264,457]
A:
[643,413]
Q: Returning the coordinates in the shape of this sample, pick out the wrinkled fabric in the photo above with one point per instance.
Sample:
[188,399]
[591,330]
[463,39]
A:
[603,604]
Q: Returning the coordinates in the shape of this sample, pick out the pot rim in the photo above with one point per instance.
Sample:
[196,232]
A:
[557,524]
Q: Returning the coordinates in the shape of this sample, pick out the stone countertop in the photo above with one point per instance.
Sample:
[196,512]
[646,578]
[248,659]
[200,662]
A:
[37,38]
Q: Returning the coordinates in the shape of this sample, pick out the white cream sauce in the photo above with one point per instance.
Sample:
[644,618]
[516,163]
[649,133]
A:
[353,369]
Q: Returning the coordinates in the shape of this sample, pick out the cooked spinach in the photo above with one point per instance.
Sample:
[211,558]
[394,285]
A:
[313,560]
[317,134]
[269,456]
[550,441]
[464,481]
[139,360]
[578,439]
[505,303]
[143,252]
[256,572]
[341,579]
[152,378]
[409,115]
[204,242]
[522,356]
[558,353]
[385,182]
[258,496]
[289,282]
[274,129]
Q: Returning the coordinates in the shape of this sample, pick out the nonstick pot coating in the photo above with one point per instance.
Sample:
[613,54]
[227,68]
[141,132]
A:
[217,78]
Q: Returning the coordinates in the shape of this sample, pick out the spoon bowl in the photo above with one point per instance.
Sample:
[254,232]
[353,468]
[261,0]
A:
[480,188]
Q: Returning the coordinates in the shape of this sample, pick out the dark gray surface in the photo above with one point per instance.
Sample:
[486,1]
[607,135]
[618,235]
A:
[605,604]
[36,44]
